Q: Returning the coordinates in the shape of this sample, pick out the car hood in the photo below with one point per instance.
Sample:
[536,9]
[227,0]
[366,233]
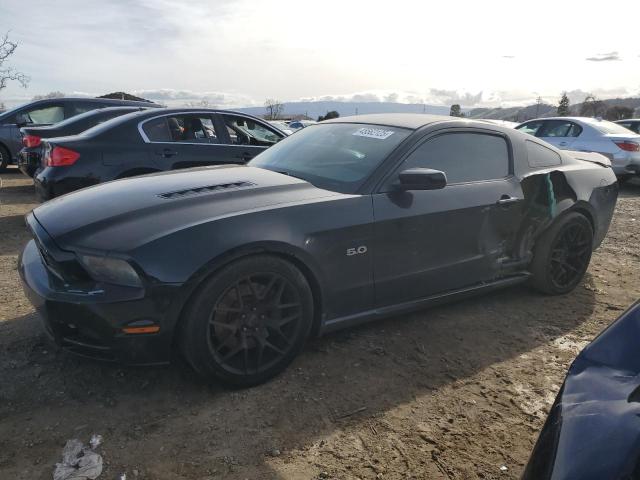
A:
[124,214]
[592,429]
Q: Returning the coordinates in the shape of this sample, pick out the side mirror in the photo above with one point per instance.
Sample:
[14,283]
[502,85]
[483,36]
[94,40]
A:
[422,179]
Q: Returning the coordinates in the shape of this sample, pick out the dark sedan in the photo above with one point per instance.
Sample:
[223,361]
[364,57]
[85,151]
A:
[346,221]
[150,141]
[30,157]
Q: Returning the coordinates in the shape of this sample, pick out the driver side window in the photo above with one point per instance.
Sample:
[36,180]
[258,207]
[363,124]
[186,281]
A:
[463,157]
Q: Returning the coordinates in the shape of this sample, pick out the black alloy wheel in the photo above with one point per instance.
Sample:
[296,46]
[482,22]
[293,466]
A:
[570,254]
[248,321]
[562,254]
[254,323]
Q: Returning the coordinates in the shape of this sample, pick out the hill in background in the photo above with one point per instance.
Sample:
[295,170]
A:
[515,114]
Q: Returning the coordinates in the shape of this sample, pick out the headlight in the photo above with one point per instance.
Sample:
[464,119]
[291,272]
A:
[110,270]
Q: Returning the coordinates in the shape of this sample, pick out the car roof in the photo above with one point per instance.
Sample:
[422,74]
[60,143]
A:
[627,120]
[403,120]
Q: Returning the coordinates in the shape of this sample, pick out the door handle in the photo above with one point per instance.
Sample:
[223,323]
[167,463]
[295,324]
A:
[563,144]
[508,200]
[246,156]
[166,153]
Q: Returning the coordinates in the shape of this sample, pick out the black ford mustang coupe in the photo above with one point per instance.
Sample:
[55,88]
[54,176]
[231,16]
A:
[345,221]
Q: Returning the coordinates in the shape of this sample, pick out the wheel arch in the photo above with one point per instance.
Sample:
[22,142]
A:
[297,257]
[6,147]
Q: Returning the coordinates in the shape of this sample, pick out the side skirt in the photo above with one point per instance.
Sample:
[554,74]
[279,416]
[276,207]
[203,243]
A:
[383,312]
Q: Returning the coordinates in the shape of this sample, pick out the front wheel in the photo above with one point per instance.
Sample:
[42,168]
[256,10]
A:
[562,254]
[249,321]
[4,158]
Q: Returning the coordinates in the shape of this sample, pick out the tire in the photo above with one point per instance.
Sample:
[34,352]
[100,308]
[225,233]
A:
[247,322]
[561,255]
[5,158]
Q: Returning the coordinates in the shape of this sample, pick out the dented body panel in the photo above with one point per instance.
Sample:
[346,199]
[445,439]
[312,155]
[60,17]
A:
[368,253]
[592,431]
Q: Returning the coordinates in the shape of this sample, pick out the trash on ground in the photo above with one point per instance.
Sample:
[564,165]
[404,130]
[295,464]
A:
[79,462]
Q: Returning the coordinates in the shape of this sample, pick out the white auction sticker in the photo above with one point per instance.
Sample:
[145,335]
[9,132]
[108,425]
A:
[378,133]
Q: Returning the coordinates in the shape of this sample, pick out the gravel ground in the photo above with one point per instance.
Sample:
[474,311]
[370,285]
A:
[455,392]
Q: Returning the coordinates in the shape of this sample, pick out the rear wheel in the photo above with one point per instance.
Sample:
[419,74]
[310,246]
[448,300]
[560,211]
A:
[249,321]
[4,158]
[562,254]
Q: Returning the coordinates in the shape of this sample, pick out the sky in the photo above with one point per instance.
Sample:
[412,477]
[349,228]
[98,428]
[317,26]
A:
[236,53]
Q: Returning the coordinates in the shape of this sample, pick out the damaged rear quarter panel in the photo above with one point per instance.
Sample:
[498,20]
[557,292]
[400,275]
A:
[575,185]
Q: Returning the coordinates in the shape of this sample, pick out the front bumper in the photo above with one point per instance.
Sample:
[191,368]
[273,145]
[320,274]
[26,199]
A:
[29,160]
[89,321]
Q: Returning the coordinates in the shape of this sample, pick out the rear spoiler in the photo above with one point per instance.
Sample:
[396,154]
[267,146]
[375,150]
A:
[591,157]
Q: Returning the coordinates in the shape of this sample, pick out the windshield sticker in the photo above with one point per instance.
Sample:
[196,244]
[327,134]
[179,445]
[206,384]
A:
[378,133]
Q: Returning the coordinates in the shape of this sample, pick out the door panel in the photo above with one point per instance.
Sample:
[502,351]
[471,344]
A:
[185,141]
[428,242]
[432,241]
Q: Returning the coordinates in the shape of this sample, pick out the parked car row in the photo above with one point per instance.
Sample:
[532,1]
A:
[30,157]
[47,112]
[149,141]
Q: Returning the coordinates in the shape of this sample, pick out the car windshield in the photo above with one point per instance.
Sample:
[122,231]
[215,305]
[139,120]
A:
[606,127]
[333,156]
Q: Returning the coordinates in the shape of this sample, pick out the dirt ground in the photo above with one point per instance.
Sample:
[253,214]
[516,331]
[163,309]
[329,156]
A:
[455,392]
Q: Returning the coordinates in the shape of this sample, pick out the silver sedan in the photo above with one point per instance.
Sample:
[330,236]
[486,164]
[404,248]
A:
[584,134]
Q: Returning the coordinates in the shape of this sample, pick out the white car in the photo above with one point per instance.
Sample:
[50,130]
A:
[620,145]
[298,124]
[281,126]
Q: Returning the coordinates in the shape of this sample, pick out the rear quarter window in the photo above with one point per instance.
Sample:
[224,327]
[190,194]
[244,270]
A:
[541,156]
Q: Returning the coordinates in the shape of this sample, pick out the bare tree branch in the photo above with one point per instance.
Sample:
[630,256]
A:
[274,108]
[8,73]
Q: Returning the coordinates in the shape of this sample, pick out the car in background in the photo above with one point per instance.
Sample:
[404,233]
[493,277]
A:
[298,124]
[591,432]
[282,126]
[346,221]
[150,141]
[47,112]
[30,157]
[632,124]
[584,134]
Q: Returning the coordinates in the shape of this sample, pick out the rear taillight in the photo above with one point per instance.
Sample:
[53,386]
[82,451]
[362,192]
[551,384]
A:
[30,141]
[60,157]
[628,146]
